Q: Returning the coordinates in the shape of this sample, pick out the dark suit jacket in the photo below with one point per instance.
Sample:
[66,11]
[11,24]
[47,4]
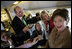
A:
[18,26]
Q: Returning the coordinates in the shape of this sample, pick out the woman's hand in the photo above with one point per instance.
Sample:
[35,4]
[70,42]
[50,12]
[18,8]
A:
[36,38]
[27,41]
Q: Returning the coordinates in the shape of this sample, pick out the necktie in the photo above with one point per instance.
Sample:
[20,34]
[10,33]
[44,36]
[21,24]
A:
[24,21]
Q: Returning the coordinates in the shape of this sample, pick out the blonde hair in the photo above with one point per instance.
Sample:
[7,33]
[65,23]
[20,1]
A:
[42,13]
